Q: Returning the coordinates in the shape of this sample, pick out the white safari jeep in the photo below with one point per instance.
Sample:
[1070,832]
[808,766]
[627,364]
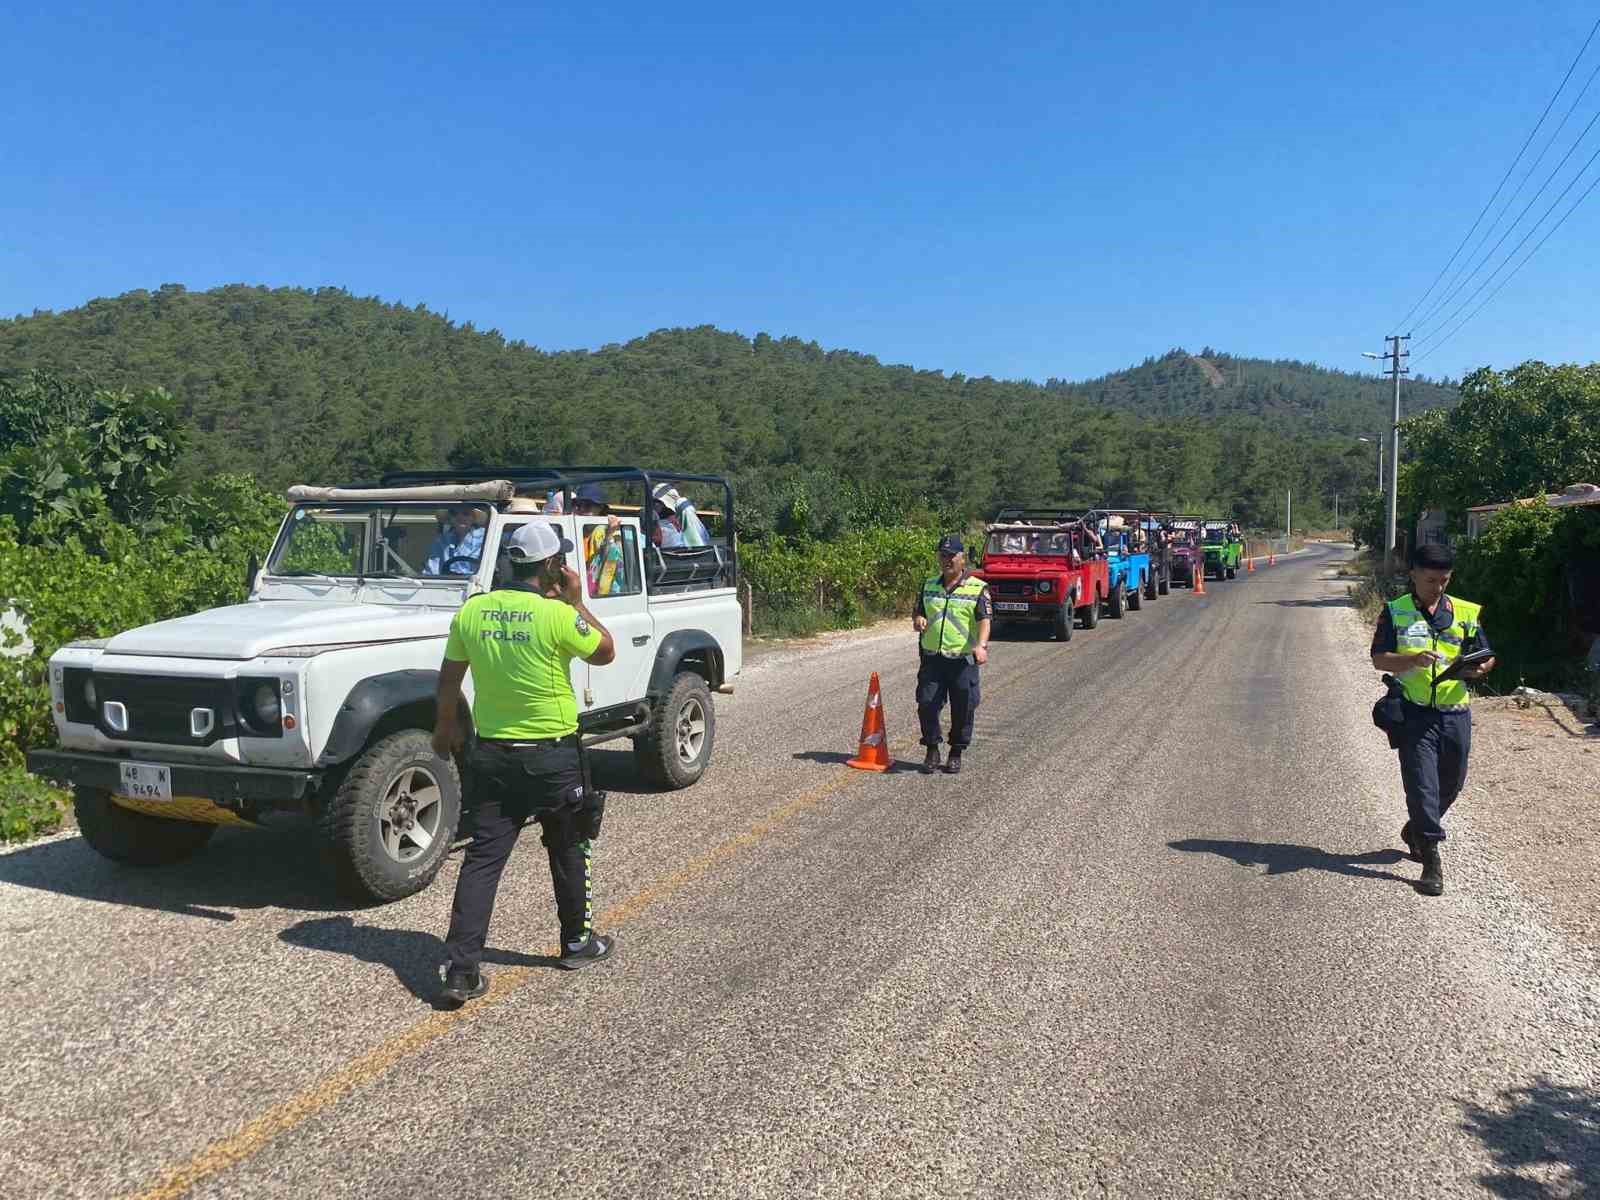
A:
[317,695]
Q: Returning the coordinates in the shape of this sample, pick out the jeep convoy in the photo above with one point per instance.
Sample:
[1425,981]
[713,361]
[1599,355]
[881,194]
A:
[316,695]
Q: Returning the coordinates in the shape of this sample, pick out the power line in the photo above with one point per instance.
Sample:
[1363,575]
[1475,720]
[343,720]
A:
[1584,196]
[1533,199]
[1526,143]
[1460,281]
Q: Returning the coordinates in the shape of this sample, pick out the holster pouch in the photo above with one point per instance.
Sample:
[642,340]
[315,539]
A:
[591,814]
[1389,713]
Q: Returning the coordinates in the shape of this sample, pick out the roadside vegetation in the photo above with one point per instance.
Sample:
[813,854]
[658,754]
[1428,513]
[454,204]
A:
[1516,434]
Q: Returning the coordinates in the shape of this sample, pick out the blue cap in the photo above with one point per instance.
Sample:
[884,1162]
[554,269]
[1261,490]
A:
[951,543]
[590,492]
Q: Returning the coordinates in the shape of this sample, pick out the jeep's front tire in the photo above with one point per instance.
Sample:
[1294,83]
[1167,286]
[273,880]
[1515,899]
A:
[1164,583]
[389,824]
[676,748]
[134,838]
[1062,626]
[1135,597]
[1115,603]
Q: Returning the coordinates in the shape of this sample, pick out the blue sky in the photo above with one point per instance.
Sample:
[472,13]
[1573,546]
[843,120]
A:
[1009,190]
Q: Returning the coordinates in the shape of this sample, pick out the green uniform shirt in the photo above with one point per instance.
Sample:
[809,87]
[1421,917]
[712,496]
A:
[519,646]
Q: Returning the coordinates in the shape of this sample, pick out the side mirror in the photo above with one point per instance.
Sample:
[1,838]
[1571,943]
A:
[252,568]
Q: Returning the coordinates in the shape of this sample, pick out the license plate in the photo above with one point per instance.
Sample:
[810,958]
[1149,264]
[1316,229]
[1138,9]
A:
[1010,606]
[145,781]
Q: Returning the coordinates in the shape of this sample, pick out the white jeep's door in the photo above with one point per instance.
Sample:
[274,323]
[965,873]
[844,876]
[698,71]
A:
[613,580]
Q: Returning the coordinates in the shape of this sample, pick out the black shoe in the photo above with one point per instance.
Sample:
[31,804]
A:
[930,761]
[1432,881]
[1413,851]
[597,947]
[461,986]
[953,767]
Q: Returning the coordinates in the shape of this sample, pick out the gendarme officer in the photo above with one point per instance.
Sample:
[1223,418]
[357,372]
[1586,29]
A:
[519,642]
[1419,635]
[952,617]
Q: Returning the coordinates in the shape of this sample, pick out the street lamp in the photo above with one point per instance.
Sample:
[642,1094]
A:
[1379,443]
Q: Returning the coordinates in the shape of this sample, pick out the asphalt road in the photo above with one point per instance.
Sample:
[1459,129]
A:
[1156,940]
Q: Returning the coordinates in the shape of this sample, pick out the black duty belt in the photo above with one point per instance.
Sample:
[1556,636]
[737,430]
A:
[570,739]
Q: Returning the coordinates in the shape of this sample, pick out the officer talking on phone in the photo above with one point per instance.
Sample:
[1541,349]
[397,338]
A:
[519,642]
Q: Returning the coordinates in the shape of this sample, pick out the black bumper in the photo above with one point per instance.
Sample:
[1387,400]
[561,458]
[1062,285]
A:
[232,787]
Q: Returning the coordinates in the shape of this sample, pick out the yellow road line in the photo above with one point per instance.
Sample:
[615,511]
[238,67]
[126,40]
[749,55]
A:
[279,1119]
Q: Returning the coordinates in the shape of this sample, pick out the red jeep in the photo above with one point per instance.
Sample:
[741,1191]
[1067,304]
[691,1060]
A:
[1039,568]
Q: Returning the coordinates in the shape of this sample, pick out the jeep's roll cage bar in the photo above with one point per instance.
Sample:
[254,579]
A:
[673,570]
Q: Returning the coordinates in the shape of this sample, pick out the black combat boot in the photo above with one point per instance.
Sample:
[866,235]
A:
[930,761]
[953,767]
[1412,852]
[1432,881]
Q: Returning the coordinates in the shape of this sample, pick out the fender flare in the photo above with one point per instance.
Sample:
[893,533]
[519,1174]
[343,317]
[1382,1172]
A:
[368,703]
[674,648]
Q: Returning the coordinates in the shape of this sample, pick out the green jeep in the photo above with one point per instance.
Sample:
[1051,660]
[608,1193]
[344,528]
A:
[1224,547]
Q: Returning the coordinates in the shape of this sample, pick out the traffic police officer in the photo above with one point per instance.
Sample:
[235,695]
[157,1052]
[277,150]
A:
[1418,636]
[519,642]
[952,617]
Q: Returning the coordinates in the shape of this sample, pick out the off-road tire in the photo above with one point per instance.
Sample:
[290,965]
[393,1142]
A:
[1232,571]
[1116,603]
[134,838]
[658,753]
[1062,625]
[1091,613]
[1135,598]
[351,820]
[1164,583]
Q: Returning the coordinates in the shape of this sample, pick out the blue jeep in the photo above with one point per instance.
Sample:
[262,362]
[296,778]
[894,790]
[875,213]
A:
[1127,549]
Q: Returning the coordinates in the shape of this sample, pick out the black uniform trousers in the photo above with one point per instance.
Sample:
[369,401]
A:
[953,678]
[506,785]
[1433,747]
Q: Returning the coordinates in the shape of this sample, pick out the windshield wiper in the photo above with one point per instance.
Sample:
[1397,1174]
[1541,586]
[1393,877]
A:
[304,575]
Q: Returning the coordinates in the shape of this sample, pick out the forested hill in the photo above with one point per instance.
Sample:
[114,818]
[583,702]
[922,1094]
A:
[291,384]
[1294,394]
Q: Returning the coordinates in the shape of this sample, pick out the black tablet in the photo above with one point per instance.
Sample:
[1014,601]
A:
[1465,662]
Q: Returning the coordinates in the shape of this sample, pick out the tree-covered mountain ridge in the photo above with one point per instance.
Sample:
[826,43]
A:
[294,383]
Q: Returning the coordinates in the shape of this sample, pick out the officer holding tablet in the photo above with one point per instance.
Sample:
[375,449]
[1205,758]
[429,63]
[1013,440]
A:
[1432,643]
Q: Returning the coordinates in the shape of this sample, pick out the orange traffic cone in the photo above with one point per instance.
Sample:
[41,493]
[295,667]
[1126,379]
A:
[1249,566]
[874,752]
[1272,560]
[1200,582]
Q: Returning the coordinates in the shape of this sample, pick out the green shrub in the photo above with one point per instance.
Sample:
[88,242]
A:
[799,585]
[29,807]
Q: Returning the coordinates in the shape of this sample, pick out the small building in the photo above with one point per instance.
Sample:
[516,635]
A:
[1431,528]
[1572,496]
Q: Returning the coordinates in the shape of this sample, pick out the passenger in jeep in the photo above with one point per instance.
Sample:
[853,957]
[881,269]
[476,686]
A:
[458,547]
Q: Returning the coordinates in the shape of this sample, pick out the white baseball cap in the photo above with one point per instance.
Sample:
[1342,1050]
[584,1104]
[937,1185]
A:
[535,542]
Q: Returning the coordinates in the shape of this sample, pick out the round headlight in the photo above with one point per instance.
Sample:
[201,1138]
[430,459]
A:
[265,704]
[1044,587]
[90,696]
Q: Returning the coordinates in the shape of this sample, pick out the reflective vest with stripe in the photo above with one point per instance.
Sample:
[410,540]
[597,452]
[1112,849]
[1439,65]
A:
[1413,632]
[952,630]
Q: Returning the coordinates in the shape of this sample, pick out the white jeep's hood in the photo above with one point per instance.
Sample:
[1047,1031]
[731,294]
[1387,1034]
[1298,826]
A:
[243,631]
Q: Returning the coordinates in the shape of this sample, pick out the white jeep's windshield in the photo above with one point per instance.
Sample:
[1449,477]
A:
[375,541]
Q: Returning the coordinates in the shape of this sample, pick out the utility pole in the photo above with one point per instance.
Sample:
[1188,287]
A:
[1288,520]
[1336,510]
[1396,359]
